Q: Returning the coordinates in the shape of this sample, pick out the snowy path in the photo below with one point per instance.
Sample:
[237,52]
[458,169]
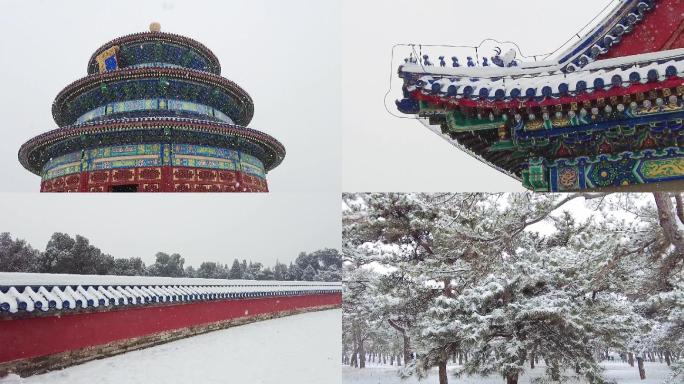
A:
[620,372]
[296,349]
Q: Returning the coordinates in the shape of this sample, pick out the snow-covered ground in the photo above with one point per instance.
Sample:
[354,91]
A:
[619,372]
[296,349]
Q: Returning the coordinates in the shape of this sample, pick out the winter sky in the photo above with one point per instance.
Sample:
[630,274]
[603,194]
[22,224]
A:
[286,55]
[386,153]
[211,227]
[300,60]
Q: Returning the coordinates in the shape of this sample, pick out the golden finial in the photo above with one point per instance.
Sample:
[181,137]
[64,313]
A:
[155,27]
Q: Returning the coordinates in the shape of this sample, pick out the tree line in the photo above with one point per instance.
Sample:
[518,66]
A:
[66,254]
[432,280]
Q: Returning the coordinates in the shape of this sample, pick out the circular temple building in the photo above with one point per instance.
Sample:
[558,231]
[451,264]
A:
[153,115]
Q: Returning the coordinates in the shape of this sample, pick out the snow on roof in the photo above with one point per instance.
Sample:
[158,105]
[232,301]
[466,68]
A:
[607,33]
[491,71]
[619,20]
[506,83]
[32,291]
[635,59]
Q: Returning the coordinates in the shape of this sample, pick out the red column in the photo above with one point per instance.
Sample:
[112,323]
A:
[83,182]
[167,178]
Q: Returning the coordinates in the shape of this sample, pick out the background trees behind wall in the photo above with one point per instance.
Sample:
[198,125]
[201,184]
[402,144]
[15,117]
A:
[64,254]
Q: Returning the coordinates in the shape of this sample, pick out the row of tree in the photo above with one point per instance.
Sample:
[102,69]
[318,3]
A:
[66,254]
[435,278]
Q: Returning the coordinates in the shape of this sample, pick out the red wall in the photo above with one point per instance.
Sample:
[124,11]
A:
[40,336]
[662,29]
[158,179]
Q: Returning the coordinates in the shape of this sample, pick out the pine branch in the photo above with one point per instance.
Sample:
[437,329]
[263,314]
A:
[397,327]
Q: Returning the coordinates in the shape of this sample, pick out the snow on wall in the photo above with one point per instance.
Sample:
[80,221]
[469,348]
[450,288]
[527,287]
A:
[28,292]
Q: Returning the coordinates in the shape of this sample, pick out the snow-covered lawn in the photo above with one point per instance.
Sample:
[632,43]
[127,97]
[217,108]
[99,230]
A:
[620,372]
[296,349]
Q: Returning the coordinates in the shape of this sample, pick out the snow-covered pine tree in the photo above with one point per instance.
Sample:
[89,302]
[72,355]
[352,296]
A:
[469,273]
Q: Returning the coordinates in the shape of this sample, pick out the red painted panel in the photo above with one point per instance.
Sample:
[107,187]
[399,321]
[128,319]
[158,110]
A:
[158,179]
[41,336]
[677,39]
[660,30]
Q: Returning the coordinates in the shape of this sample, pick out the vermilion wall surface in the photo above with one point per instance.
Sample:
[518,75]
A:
[157,179]
[662,29]
[40,336]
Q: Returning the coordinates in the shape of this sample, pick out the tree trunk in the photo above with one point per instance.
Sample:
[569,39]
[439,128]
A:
[630,359]
[512,378]
[642,371]
[668,220]
[447,287]
[680,207]
[392,360]
[555,372]
[443,379]
[533,356]
[362,355]
[407,349]
[460,359]
[355,348]
[398,360]
[667,358]
[407,340]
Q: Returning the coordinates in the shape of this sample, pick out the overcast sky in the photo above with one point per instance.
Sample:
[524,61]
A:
[284,54]
[386,153]
[289,56]
[207,227]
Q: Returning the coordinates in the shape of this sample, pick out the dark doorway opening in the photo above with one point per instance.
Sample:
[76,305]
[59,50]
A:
[124,188]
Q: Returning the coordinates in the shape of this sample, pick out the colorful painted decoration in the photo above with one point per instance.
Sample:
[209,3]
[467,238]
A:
[107,60]
[607,113]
